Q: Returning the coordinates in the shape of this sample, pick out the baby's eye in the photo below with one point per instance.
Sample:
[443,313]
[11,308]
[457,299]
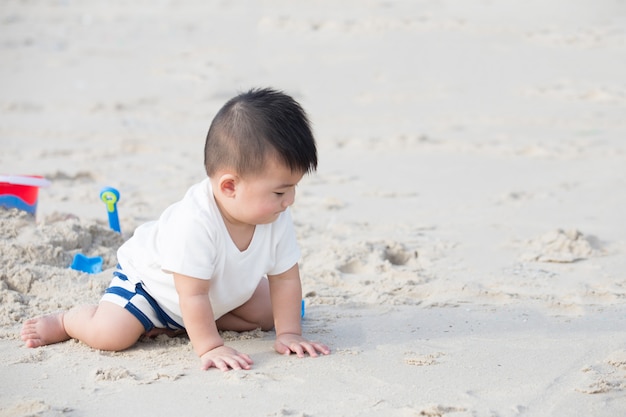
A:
[279,194]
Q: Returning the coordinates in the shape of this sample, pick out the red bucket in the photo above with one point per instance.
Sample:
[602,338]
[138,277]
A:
[21,191]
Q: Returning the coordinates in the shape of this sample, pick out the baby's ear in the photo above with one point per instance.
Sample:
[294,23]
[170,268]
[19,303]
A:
[227,185]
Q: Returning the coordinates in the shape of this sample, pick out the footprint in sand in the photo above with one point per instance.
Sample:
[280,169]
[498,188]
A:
[371,254]
[608,376]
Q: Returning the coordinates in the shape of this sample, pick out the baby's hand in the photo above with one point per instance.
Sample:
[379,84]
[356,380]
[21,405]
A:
[287,343]
[225,358]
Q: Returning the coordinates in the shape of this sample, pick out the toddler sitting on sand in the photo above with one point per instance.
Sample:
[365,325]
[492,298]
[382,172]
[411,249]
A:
[223,258]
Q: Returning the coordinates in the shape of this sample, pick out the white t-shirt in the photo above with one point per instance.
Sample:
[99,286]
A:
[190,238]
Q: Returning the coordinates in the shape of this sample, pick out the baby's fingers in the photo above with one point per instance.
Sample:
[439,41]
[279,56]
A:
[228,362]
[234,362]
[282,348]
[312,348]
[321,348]
[300,348]
[287,349]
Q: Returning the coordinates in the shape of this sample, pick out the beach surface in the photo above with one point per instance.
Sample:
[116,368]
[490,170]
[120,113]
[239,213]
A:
[463,240]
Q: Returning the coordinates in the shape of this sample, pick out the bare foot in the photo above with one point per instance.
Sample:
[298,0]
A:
[44,330]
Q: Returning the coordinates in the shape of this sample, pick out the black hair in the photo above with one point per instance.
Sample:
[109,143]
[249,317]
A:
[256,125]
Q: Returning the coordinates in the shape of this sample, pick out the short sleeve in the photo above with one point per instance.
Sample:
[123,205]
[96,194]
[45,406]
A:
[186,243]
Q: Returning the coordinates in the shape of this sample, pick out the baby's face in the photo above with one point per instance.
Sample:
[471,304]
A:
[260,199]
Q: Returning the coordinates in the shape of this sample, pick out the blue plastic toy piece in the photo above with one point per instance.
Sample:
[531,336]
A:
[302,310]
[110,196]
[86,264]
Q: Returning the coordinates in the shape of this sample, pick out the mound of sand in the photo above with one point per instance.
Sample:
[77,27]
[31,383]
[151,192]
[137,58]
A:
[560,246]
[35,273]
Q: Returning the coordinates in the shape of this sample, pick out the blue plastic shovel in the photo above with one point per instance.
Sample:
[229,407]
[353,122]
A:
[110,196]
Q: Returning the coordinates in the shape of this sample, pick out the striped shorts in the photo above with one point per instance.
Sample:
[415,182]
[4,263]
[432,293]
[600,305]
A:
[135,299]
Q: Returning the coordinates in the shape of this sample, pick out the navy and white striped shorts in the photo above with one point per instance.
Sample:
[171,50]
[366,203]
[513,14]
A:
[135,299]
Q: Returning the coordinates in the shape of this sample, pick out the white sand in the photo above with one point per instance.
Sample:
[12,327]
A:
[464,238]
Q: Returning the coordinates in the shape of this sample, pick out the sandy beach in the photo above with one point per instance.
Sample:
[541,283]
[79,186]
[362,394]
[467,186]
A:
[463,240]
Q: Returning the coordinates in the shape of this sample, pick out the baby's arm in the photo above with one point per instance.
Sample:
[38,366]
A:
[286,295]
[197,313]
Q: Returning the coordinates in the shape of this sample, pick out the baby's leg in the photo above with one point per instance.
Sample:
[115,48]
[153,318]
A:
[106,326]
[253,314]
